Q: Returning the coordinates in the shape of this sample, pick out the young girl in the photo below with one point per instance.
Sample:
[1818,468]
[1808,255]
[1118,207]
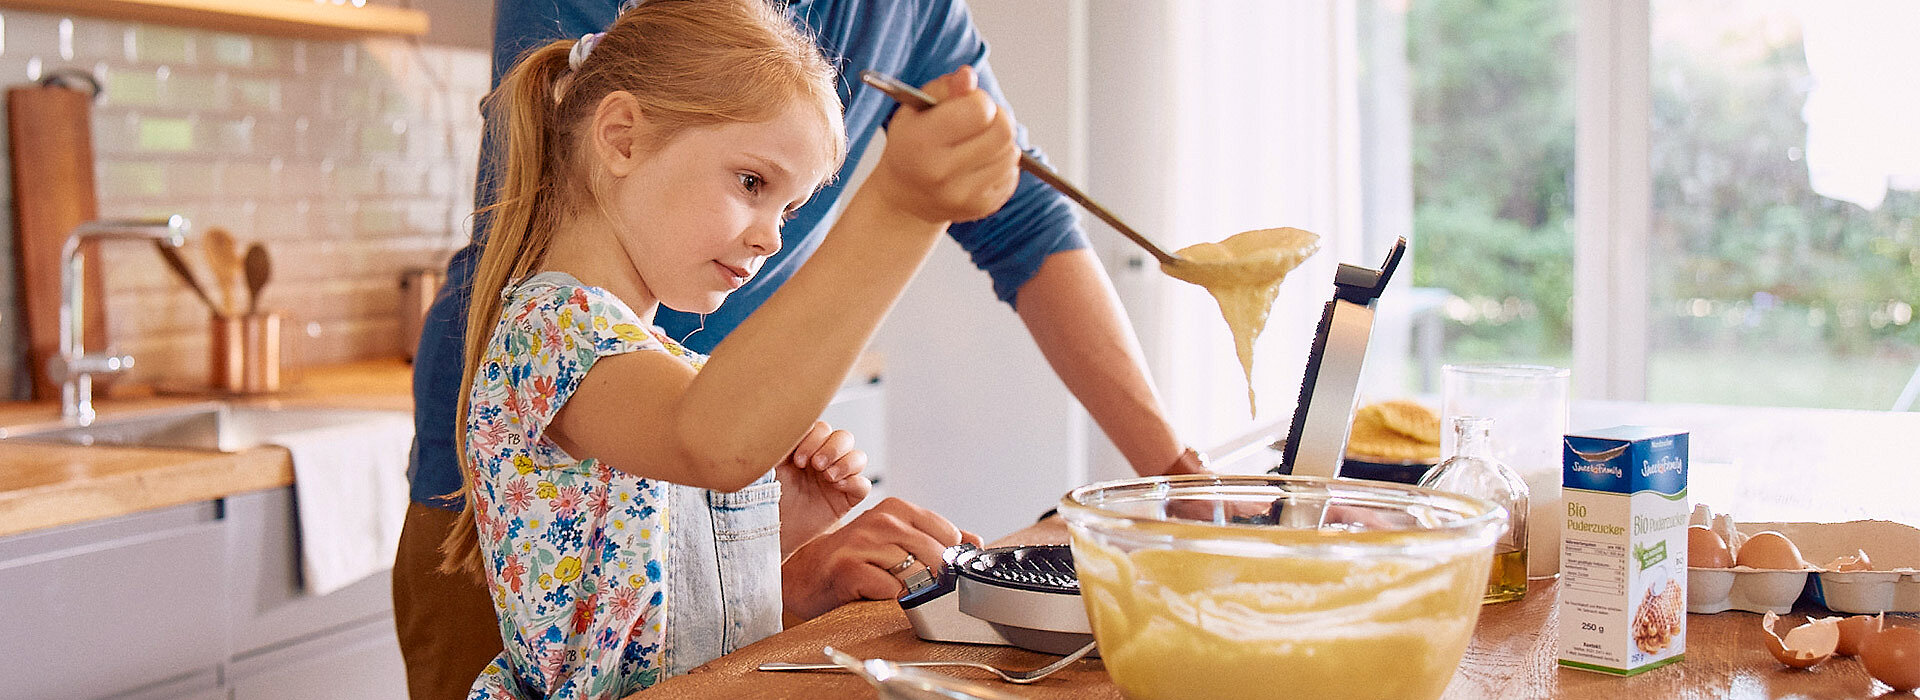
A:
[650,165]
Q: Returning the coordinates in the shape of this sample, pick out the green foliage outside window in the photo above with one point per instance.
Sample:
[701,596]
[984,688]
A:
[1752,273]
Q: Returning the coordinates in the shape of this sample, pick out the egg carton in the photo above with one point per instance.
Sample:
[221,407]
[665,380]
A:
[1894,585]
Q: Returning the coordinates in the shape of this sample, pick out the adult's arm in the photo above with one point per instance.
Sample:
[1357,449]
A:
[1039,260]
[1071,310]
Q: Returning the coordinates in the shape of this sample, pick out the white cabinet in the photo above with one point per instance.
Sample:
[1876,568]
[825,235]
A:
[108,607]
[361,662]
[191,602]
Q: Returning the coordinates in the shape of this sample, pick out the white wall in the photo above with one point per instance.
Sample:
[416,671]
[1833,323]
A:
[979,428]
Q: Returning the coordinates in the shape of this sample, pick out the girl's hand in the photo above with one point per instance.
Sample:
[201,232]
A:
[954,162]
[852,563]
[819,482]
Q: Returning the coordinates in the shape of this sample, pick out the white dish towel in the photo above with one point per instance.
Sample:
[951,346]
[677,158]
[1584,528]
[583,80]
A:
[350,490]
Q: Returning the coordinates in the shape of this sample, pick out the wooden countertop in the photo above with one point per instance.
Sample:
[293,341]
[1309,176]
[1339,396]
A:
[43,485]
[1513,655]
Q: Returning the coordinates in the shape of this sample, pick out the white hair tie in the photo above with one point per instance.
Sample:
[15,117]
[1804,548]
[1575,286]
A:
[583,48]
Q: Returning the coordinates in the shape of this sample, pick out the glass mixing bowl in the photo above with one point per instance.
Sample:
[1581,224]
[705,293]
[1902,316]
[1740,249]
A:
[1213,586]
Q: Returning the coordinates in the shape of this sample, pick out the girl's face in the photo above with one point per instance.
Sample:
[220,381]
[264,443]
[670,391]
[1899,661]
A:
[699,214]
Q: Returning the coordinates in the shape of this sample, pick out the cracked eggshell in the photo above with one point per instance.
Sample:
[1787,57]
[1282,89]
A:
[1804,646]
[1854,632]
[1857,561]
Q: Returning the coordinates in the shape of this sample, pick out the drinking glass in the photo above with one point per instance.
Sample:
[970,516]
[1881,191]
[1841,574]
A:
[1528,405]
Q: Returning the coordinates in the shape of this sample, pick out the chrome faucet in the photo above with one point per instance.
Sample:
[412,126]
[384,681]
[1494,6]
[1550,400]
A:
[73,367]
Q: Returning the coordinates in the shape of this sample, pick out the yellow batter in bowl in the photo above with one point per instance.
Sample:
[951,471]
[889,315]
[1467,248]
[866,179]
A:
[1375,597]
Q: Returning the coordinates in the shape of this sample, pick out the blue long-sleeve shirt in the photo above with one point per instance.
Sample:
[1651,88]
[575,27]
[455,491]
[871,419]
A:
[916,40]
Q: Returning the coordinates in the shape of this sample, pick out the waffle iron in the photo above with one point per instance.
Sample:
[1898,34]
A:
[1029,597]
[1026,597]
[1323,417]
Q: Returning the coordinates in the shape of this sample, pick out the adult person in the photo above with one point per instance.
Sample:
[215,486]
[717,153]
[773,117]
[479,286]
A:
[1032,248]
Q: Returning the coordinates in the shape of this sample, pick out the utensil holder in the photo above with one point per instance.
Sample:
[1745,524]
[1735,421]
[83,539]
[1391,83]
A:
[245,353]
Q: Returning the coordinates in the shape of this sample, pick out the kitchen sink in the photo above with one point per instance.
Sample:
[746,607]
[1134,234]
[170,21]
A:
[208,426]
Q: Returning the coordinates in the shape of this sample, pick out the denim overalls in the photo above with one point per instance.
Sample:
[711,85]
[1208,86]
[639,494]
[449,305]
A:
[723,563]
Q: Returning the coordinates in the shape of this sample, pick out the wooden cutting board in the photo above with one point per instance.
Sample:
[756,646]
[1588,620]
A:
[50,131]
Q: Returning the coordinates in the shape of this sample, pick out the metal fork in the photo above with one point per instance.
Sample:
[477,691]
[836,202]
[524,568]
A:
[1015,677]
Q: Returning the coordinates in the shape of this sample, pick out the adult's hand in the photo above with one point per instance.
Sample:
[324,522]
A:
[819,482]
[852,563]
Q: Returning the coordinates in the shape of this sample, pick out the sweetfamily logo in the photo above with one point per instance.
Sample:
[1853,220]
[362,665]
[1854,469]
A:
[1667,464]
[1602,469]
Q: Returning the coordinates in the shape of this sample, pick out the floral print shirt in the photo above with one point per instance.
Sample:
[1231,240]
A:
[574,550]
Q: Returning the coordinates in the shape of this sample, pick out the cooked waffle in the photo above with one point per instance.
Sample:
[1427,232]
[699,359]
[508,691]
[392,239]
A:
[1395,431]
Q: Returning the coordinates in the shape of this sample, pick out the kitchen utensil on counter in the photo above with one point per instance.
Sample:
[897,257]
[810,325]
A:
[1322,418]
[259,269]
[51,143]
[910,96]
[179,266]
[896,683]
[1021,596]
[1010,676]
[1205,585]
[223,258]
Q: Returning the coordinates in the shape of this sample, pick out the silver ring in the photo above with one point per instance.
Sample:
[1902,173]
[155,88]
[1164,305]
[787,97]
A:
[903,565]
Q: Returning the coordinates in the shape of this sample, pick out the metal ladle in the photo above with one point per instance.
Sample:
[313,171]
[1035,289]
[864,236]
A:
[910,96]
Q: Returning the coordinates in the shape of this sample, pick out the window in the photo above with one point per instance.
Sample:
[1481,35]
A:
[1492,151]
[1656,158]
[1764,289]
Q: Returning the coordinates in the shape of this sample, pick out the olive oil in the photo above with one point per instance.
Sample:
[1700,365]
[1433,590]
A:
[1508,580]
[1474,472]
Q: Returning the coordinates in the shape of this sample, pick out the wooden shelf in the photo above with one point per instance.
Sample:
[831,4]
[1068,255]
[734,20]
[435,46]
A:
[297,18]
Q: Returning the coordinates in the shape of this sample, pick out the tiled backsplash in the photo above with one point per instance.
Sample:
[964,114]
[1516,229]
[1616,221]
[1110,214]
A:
[350,160]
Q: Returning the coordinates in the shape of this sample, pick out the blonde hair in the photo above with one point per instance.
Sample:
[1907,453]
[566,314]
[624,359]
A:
[688,63]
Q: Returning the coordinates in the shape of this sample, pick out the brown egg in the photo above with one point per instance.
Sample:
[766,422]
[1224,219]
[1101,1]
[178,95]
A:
[1705,549]
[1854,632]
[1770,550]
[1893,657]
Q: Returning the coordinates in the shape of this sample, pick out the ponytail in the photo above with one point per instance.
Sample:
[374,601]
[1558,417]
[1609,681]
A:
[523,216]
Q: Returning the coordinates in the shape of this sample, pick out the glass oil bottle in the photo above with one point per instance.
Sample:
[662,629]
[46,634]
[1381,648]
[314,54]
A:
[1473,471]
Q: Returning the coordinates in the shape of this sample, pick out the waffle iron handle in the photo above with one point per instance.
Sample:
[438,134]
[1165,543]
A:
[1317,439]
[932,606]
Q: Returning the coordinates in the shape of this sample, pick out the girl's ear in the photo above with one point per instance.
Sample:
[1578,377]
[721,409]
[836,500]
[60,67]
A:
[617,133]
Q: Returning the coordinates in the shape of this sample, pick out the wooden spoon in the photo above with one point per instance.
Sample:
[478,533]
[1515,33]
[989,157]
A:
[223,257]
[259,269]
[912,97]
[179,265]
